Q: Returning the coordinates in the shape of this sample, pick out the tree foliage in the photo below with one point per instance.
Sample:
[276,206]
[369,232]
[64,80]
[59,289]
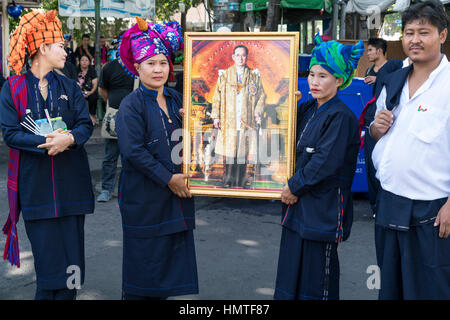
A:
[167,8]
[110,28]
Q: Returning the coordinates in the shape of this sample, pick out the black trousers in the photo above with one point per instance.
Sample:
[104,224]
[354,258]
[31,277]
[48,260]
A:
[372,181]
[92,103]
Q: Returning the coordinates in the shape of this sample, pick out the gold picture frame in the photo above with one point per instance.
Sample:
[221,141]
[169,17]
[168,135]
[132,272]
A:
[240,113]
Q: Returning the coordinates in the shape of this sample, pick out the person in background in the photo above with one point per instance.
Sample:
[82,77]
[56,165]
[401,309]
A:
[69,70]
[179,76]
[375,75]
[376,53]
[84,49]
[115,84]
[70,54]
[103,50]
[2,81]
[88,82]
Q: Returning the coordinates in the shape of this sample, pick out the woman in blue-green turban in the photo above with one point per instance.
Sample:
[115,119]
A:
[317,200]
[338,62]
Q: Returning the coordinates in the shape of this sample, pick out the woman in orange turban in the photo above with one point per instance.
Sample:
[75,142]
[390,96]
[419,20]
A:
[48,176]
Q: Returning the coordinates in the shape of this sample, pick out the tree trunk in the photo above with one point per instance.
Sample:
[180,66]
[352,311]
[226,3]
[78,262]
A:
[273,15]
[183,22]
[349,27]
[208,7]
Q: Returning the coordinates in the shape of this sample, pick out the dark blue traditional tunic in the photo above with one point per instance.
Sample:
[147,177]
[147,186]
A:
[159,255]
[327,148]
[55,192]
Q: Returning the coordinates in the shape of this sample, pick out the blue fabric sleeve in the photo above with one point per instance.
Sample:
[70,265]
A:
[82,128]
[15,135]
[329,155]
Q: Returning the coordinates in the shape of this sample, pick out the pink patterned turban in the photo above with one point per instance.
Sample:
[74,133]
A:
[145,40]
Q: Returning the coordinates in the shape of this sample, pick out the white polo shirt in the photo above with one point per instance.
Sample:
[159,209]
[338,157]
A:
[413,158]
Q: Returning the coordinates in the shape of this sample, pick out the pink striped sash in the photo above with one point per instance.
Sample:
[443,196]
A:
[19,95]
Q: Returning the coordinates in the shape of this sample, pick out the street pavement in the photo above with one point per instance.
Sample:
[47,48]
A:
[237,244]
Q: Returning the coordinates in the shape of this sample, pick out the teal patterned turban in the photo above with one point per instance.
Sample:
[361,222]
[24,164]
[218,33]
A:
[338,59]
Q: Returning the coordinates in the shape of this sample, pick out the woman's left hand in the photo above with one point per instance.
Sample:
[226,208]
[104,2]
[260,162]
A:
[57,142]
[287,197]
[178,186]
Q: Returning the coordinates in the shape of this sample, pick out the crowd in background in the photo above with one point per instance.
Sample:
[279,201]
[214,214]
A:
[80,66]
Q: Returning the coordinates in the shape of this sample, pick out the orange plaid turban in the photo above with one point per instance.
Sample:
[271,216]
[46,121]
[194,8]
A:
[34,29]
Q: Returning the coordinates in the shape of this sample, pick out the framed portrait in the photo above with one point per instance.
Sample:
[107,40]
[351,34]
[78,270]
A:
[240,113]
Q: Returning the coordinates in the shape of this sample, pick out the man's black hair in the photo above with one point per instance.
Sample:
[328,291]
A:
[378,43]
[241,46]
[432,11]
[86,36]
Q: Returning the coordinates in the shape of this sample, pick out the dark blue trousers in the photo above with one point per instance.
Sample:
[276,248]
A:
[127,296]
[62,294]
[307,270]
[414,261]
[56,245]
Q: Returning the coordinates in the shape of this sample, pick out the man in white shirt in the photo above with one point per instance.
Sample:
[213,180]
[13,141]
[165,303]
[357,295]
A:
[412,159]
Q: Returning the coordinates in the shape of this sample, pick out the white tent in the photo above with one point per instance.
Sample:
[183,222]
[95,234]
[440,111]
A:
[369,7]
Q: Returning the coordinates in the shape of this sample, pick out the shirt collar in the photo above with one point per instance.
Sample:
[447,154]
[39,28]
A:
[327,104]
[152,93]
[49,76]
[425,86]
[406,63]
[441,66]
[149,92]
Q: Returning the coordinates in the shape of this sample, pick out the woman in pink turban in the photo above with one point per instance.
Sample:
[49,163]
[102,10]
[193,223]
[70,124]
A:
[156,207]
